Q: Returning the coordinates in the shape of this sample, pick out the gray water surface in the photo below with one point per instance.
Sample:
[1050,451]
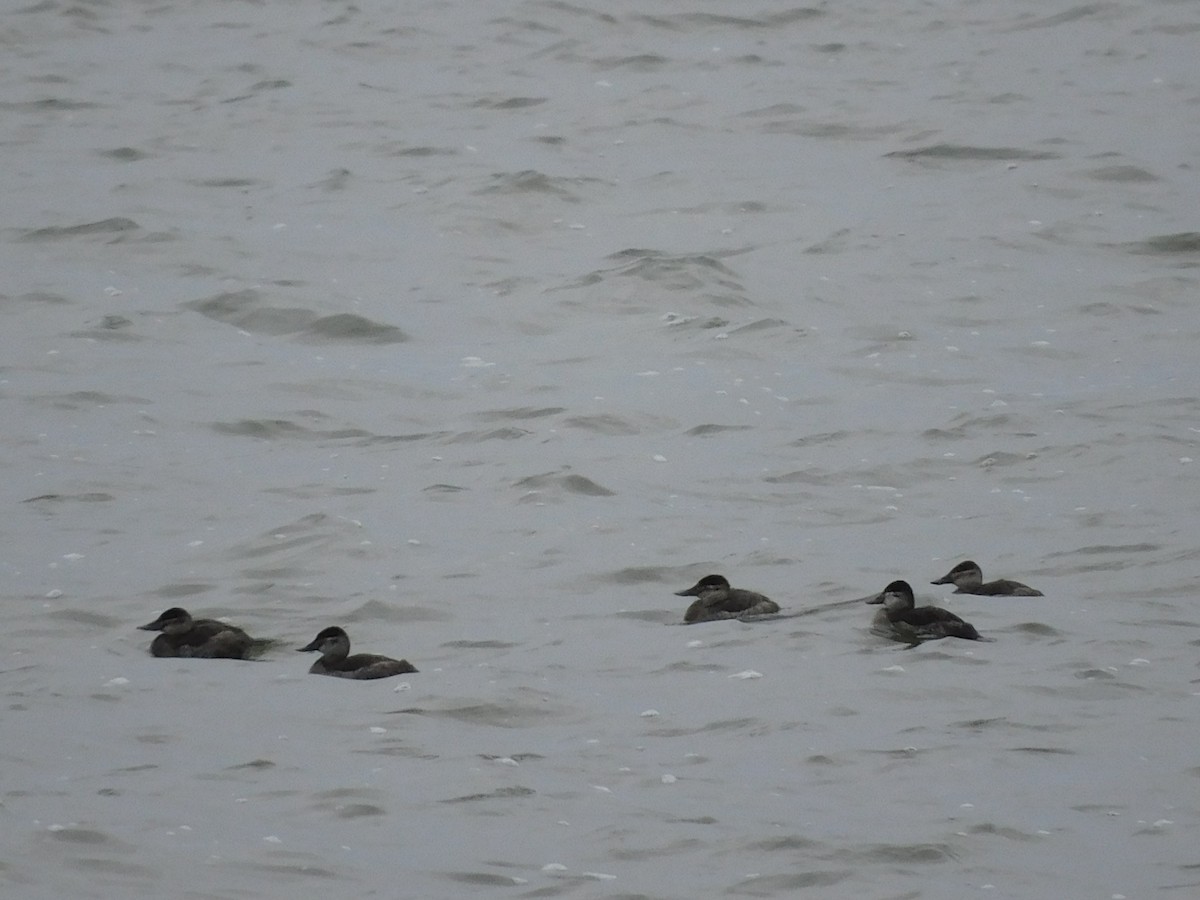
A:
[480,329]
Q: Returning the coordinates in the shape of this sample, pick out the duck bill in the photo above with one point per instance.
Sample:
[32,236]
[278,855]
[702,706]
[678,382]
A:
[156,625]
[309,647]
[873,598]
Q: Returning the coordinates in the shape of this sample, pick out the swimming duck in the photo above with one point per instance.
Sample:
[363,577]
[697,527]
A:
[717,600]
[967,578]
[902,620]
[198,638]
[336,660]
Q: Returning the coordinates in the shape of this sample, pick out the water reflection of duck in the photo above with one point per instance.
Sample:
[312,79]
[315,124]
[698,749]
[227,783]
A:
[902,620]
[717,600]
[967,578]
[334,645]
[199,638]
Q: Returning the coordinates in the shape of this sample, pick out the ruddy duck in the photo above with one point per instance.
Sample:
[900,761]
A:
[717,600]
[902,620]
[336,660]
[967,578]
[199,638]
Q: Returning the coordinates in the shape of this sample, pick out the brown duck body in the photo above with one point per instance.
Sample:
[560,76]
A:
[967,578]
[717,600]
[902,620]
[334,645]
[183,636]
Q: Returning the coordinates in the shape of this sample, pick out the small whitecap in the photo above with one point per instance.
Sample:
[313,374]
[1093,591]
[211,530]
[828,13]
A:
[892,669]
[658,457]
[601,788]
[1139,662]
[1163,823]
[600,876]
[694,644]
[649,713]
[649,373]
[748,673]
[402,687]
[116,682]
[554,867]
[53,595]
[273,839]
[507,761]
[669,779]
[375,729]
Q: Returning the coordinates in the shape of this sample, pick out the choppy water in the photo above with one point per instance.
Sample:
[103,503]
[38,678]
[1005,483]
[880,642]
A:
[482,328]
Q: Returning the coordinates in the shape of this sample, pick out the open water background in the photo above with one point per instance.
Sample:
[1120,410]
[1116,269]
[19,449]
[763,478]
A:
[480,329]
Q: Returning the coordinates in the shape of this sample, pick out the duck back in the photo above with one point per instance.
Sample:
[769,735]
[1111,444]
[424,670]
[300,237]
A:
[206,639]
[363,667]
